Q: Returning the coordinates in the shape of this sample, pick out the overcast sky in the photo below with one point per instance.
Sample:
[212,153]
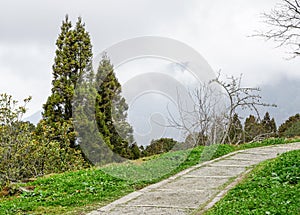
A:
[217,29]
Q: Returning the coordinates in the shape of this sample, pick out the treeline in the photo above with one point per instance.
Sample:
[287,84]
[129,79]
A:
[254,129]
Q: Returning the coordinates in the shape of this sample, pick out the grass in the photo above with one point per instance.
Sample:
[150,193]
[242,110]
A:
[76,192]
[85,190]
[273,187]
[66,192]
[267,142]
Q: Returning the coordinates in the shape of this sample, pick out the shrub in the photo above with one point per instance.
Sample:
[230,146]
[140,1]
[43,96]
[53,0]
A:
[160,146]
[28,152]
[290,127]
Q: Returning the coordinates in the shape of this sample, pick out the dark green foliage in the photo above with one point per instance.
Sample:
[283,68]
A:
[57,156]
[136,153]
[160,146]
[290,127]
[252,128]
[293,131]
[111,112]
[73,56]
[272,188]
[269,126]
[235,134]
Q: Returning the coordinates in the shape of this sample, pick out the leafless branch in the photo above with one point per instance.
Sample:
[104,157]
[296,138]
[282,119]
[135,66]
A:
[284,26]
[239,97]
[200,117]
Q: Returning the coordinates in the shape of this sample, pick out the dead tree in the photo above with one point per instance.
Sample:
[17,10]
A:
[284,25]
[238,97]
[202,118]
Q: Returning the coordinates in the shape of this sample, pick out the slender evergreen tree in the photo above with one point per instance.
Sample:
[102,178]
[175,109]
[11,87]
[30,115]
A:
[73,55]
[252,128]
[111,111]
[235,134]
[269,125]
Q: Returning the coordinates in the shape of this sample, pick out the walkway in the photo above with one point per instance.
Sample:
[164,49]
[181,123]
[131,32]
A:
[198,187]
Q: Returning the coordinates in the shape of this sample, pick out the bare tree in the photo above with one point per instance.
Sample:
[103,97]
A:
[209,117]
[284,25]
[202,118]
[238,97]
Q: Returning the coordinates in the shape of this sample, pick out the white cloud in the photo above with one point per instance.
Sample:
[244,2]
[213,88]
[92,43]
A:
[217,29]
[26,71]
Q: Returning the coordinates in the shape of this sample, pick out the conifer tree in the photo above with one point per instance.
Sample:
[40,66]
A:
[291,127]
[269,125]
[235,134]
[111,111]
[252,128]
[73,55]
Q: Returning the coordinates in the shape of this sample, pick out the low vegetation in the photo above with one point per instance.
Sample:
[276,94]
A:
[78,191]
[271,188]
[90,188]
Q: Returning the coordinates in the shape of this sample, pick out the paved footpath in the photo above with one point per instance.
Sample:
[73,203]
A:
[198,187]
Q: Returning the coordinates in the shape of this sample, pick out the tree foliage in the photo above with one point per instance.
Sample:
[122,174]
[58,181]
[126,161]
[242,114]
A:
[236,133]
[14,135]
[160,146]
[73,56]
[269,126]
[27,151]
[290,127]
[252,128]
[256,129]
[111,111]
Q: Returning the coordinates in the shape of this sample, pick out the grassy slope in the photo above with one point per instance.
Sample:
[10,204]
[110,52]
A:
[74,192]
[273,187]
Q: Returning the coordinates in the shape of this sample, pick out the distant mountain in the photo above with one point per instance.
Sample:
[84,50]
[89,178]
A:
[34,118]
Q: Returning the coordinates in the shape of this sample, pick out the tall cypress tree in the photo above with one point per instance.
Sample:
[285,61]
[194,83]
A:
[269,125]
[252,128]
[111,111]
[73,55]
[235,134]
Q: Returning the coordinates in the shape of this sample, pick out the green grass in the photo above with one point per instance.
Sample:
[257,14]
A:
[273,187]
[65,192]
[85,190]
[267,142]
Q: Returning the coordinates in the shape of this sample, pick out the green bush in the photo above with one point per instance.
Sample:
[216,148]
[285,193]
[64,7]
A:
[292,131]
[160,146]
[28,152]
[291,127]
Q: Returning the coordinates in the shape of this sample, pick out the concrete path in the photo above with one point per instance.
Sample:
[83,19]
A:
[195,189]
